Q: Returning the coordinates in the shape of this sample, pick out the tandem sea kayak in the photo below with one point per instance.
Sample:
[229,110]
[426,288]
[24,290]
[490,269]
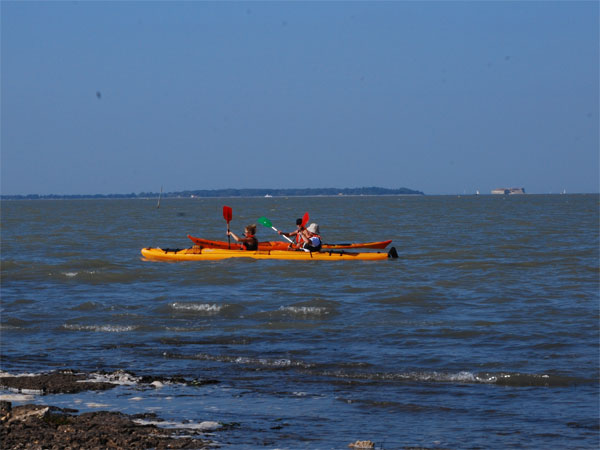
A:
[281,245]
[213,254]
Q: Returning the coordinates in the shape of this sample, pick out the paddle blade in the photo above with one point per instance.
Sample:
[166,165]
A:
[305,218]
[265,222]
[227,213]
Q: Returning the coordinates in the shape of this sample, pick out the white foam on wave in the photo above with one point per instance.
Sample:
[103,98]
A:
[16,397]
[206,425]
[197,307]
[460,377]
[246,360]
[424,376]
[264,361]
[452,377]
[99,328]
[306,310]
[6,374]
[184,329]
[440,377]
[119,377]
[97,405]
[74,274]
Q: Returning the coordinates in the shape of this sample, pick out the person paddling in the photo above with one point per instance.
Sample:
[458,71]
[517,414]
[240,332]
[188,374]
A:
[297,233]
[311,240]
[249,241]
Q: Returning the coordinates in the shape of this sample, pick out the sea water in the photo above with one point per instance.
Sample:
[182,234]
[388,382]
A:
[483,334]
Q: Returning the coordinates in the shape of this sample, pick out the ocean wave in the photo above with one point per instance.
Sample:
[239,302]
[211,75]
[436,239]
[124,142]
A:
[119,377]
[17,397]
[274,363]
[85,306]
[100,328]
[513,379]
[306,310]
[205,308]
[25,374]
[465,377]
[97,405]
[202,426]
[13,323]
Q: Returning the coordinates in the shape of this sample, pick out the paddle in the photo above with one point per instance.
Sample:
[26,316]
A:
[228,215]
[305,218]
[267,223]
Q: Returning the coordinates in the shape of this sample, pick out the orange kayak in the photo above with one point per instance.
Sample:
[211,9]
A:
[281,245]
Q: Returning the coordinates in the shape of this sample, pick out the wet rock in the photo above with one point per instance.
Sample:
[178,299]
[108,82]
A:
[47,427]
[5,408]
[70,382]
[63,382]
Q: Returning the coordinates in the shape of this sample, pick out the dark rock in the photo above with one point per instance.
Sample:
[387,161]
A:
[48,427]
[64,382]
[43,427]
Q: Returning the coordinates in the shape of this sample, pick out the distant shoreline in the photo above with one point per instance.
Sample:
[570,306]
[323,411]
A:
[228,193]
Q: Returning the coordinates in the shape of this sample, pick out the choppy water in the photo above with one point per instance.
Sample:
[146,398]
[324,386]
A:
[483,334]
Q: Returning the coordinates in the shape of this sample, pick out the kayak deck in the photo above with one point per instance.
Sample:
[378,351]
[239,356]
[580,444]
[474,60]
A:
[280,245]
[197,253]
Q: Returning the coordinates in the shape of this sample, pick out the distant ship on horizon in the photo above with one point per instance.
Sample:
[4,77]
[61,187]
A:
[508,191]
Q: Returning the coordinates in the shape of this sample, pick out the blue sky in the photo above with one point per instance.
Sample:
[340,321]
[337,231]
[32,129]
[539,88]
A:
[443,97]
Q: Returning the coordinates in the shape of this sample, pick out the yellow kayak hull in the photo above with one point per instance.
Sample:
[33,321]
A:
[215,254]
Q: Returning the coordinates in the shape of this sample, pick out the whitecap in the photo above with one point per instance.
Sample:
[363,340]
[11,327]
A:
[277,362]
[206,425]
[6,374]
[96,405]
[197,307]
[16,397]
[460,377]
[99,328]
[31,391]
[305,310]
[119,377]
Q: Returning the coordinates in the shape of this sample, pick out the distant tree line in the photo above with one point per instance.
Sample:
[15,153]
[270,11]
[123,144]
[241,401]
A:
[231,193]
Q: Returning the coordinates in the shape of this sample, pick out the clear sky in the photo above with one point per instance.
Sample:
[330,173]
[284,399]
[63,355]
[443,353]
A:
[443,97]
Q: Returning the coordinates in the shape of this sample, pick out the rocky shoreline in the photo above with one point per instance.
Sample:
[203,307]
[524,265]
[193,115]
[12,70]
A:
[49,427]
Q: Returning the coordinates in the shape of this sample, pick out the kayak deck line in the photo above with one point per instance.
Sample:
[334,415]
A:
[198,253]
[281,245]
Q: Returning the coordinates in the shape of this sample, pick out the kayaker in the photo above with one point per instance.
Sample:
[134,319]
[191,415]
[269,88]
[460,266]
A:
[249,241]
[311,239]
[297,233]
